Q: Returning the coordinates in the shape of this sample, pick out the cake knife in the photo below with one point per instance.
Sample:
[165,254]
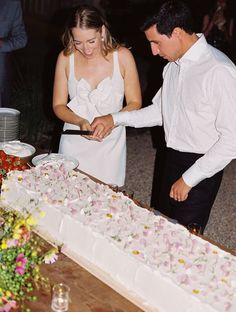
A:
[78,132]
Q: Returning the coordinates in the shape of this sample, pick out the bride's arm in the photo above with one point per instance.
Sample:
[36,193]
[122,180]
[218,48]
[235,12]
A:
[60,95]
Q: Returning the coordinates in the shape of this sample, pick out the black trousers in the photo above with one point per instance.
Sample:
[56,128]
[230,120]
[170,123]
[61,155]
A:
[196,208]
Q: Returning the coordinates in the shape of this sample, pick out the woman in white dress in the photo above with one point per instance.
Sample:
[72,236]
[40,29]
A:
[96,73]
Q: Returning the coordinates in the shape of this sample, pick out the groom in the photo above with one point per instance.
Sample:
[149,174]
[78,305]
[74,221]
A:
[196,106]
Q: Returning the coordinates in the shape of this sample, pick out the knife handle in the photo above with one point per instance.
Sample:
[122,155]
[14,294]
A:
[77,132]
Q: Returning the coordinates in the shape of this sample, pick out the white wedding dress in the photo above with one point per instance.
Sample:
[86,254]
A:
[104,160]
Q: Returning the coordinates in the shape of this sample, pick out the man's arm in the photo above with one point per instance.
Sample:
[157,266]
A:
[17,37]
[149,116]
[224,150]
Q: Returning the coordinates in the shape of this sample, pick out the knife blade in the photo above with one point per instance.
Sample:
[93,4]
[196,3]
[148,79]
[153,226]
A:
[78,132]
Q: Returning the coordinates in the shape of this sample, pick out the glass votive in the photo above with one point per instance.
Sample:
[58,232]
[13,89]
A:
[60,298]
[114,187]
[127,192]
[194,228]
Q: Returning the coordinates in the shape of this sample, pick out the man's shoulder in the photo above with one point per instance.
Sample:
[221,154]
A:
[10,3]
[219,58]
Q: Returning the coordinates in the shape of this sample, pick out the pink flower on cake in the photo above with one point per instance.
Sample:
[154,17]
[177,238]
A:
[228,306]
[226,268]
[194,246]
[113,210]
[73,211]
[207,248]
[177,245]
[97,203]
[143,242]
[183,279]
[200,267]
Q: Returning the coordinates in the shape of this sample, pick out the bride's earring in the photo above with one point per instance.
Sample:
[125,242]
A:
[102,39]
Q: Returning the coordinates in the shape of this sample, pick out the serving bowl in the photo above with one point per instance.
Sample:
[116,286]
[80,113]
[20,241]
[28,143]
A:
[20,149]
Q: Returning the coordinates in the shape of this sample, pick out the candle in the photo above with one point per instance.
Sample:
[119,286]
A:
[60,298]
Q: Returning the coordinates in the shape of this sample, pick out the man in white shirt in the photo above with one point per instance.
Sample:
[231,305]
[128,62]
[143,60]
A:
[197,107]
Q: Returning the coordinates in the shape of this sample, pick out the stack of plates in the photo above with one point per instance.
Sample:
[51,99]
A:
[9,124]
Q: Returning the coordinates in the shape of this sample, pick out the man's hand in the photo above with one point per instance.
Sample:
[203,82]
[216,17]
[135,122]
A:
[179,190]
[102,126]
[85,125]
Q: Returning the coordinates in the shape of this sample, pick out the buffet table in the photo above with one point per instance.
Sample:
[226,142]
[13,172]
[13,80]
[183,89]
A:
[145,258]
[87,293]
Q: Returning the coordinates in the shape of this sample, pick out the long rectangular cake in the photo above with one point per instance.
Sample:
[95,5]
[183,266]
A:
[157,262]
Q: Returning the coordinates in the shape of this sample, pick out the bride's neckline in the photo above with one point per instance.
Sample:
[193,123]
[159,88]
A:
[82,79]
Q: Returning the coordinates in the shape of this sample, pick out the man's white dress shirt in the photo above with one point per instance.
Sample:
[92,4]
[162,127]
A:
[197,107]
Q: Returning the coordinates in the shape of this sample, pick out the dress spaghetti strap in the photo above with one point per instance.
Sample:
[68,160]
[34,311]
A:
[116,66]
[72,66]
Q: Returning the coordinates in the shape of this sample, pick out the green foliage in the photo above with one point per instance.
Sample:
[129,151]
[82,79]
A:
[21,254]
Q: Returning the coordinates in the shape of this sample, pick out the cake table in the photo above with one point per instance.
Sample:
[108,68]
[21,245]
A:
[156,264]
[87,293]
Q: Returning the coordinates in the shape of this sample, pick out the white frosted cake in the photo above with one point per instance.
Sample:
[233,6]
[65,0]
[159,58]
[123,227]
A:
[159,263]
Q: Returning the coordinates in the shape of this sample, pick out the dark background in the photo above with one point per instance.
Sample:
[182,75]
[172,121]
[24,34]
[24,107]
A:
[34,65]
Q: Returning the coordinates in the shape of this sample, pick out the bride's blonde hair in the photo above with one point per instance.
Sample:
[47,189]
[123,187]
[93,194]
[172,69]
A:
[88,17]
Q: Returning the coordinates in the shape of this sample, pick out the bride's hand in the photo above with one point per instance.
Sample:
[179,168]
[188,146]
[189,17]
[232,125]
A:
[85,125]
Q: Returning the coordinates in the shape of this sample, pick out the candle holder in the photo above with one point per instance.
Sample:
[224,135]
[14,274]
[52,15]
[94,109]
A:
[60,298]
[127,192]
[194,228]
[114,187]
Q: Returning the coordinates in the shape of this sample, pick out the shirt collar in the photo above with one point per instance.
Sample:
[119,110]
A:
[195,52]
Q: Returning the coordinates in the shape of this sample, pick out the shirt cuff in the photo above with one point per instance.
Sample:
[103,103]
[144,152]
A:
[193,176]
[120,118]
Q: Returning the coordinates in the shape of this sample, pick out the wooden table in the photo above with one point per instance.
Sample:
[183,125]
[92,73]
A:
[88,294]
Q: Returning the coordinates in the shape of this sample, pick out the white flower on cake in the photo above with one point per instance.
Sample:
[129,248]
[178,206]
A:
[195,265]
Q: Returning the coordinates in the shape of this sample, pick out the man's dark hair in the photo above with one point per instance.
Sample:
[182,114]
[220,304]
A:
[171,14]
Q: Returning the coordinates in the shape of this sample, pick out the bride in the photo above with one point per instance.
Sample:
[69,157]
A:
[96,73]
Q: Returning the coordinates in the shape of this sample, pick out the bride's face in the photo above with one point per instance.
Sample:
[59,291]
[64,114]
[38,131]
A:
[87,41]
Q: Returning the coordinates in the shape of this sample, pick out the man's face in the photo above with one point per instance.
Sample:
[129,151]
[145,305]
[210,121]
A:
[166,47]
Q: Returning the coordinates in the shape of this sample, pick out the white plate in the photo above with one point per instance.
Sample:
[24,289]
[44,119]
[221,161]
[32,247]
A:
[8,112]
[46,158]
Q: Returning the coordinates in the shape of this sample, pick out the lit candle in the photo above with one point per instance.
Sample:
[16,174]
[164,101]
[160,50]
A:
[60,298]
